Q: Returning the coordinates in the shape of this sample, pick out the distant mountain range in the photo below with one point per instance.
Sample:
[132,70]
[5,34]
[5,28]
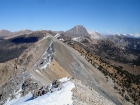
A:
[124,40]
[6,33]
[128,41]
[125,44]
[137,35]
[76,31]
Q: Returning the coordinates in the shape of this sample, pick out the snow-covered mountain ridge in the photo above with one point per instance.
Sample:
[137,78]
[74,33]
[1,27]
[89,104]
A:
[63,92]
[56,95]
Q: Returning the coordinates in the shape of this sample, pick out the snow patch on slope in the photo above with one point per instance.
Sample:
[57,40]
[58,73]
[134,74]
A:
[95,35]
[64,79]
[48,56]
[57,35]
[77,39]
[59,97]
[46,59]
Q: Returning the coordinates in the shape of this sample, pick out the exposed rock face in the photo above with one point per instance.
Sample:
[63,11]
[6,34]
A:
[77,31]
[56,85]
[16,87]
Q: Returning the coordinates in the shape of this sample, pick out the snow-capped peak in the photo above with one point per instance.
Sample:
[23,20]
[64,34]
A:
[95,35]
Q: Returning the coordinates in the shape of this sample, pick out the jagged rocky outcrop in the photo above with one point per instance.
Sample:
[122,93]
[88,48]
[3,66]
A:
[17,86]
[56,85]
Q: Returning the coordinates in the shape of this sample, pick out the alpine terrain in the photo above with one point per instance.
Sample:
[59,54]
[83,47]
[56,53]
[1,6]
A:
[75,67]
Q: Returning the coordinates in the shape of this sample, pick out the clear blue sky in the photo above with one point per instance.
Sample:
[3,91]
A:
[97,15]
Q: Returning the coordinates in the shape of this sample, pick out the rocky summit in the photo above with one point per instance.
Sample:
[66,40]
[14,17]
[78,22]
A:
[77,31]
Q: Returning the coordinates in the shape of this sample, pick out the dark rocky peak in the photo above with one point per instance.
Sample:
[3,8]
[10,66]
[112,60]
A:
[77,31]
